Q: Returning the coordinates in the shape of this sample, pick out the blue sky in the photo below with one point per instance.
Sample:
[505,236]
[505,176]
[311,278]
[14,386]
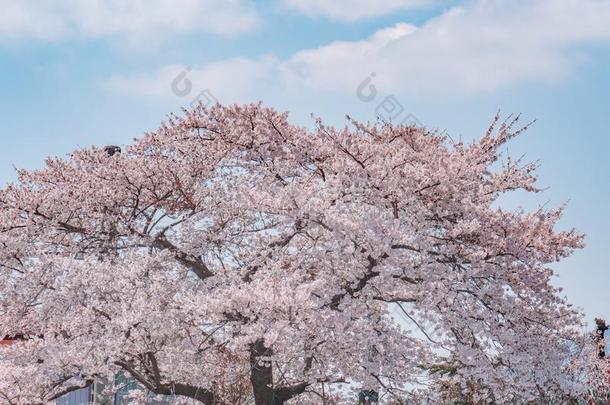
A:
[83,72]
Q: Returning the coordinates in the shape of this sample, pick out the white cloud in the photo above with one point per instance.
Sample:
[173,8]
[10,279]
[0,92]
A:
[486,45]
[480,47]
[232,79]
[352,10]
[342,65]
[134,20]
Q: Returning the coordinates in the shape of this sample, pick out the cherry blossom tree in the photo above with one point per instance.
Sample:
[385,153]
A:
[589,368]
[230,244]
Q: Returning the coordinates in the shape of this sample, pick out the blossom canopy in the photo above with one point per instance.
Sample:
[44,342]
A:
[232,244]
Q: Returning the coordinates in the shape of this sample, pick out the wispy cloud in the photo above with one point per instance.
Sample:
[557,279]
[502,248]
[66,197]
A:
[480,47]
[238,79]
[352,10]
[131,20]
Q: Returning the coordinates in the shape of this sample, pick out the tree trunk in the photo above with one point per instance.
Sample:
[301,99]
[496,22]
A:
[261,375]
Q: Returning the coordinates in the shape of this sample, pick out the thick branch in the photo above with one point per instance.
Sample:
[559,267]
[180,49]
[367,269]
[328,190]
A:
[202,395]
[283,394]
[362,282]
[71,389]
[193,263]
